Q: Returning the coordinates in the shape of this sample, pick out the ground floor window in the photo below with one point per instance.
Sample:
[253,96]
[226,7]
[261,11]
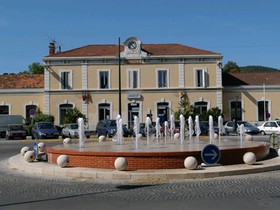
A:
[236,110]
[200,107]
[104,111]
[4,109]
[263,112]
[62,111]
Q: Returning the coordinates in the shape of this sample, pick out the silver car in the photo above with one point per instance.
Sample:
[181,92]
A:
[72,130]
[249,128]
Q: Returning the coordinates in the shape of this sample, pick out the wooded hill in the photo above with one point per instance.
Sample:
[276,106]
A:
[257,69]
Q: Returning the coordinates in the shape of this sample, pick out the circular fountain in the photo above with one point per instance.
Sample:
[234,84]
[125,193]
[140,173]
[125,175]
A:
[156,151]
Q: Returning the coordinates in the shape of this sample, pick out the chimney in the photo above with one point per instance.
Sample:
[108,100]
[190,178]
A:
[51,48]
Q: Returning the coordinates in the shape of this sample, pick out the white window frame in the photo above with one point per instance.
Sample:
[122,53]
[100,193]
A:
[204,82]
[167,77]
[70,81]
[130,78]
[207,102]
[109,76]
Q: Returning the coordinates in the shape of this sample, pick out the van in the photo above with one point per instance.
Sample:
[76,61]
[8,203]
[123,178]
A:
[6,120]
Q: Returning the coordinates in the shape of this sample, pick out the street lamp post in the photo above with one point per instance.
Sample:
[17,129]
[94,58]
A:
[235,114]
[120,90]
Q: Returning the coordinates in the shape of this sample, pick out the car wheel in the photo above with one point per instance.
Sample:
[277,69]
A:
[262,133]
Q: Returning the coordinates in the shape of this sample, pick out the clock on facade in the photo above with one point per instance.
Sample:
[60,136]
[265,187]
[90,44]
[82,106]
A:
[132,45]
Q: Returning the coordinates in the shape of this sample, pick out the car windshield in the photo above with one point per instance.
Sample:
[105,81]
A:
[112,123]
[46,126]
[16,127]
[278,122]
[246,124]
[74,126]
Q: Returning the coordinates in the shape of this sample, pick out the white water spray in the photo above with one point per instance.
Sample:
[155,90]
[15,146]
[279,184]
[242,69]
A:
[148,123]
[182,128]
[81,132]
[190,121]
[136,130]
[197,126]
[157,128]
[211,129]
[119,133]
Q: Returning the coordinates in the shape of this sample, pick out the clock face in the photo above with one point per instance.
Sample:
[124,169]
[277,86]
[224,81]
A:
[132,45]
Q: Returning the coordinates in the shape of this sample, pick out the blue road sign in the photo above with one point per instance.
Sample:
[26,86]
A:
[210,154]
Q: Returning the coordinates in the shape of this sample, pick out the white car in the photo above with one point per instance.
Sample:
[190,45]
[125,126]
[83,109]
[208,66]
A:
[71,130]
[269,127]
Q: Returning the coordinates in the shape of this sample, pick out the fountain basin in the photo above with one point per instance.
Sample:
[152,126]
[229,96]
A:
[154,155]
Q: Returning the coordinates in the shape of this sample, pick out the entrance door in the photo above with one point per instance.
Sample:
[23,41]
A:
[133,110]
[163,111]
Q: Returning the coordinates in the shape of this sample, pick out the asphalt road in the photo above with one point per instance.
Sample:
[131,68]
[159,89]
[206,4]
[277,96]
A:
[25,191]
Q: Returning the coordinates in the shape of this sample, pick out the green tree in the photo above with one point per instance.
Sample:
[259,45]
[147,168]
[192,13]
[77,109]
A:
[34,68]
[231,67]
[185,109]
[215,112]
[72,115]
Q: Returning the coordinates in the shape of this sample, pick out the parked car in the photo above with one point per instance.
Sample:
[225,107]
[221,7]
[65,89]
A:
[109,128]
[15,131]
[269,127]
[44,130]
[249,128]
[126,131]
[72,130]
[204,127]
[143,129]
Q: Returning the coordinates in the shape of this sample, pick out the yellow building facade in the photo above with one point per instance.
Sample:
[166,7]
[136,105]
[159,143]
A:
[154,78]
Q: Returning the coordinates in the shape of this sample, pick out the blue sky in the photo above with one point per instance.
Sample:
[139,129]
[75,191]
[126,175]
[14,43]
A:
[246,32]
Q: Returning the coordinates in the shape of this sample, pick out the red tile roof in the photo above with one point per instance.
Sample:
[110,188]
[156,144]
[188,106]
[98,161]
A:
[251,78]
[152,49]
[22,81]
